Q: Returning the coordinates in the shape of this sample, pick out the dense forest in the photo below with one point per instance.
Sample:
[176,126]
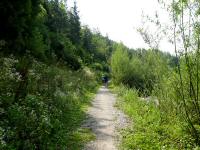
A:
[51,67]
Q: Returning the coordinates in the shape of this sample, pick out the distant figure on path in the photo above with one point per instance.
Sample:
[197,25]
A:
[105,80]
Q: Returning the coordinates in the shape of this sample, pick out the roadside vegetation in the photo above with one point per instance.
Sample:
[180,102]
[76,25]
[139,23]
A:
[51,66]
[158,91]
[50,69]
[52,108]
[150,128]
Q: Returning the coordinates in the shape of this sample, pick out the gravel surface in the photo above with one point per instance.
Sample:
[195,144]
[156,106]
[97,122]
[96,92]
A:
[104,120]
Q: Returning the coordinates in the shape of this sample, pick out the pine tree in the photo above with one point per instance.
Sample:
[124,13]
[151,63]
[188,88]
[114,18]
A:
[75,25]
[17,22]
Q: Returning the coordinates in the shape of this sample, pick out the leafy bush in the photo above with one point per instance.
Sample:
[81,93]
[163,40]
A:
[149,128]
[138,70]
[49,114]
[178,97]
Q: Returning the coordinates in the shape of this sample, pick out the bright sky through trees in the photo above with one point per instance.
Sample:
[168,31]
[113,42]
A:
[120,19]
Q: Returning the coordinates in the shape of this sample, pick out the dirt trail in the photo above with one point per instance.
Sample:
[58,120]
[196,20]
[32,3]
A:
[103,119]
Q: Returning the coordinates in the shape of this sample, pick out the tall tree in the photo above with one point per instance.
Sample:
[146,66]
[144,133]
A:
[17,22]
[75,25]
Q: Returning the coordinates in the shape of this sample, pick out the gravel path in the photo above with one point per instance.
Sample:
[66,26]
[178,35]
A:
[104,120]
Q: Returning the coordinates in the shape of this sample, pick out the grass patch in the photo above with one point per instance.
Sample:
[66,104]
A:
[79,138]
[151,130]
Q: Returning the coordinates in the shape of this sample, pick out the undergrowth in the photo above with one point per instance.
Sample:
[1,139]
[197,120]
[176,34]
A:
[150,129]
[49,110]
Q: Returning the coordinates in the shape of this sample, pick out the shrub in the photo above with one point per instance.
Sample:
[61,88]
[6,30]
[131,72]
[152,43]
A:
[51,109]
[149,128]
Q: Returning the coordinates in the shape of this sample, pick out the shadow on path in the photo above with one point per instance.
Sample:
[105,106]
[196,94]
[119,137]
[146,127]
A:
[101,120]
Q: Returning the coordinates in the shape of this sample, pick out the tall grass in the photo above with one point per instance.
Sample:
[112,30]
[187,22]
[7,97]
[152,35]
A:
[48,111]
[150,129]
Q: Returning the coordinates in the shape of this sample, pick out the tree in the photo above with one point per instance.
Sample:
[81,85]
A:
[18,19]
[120,64]
[75,26]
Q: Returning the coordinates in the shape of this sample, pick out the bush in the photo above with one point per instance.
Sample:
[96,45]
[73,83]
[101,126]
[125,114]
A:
[49,114]
[149,128]
[140,72]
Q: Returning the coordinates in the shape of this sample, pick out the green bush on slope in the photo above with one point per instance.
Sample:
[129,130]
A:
[47,113]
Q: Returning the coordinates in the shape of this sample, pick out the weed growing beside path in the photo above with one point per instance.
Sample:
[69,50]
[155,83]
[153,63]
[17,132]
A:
[48,113]
[149,130]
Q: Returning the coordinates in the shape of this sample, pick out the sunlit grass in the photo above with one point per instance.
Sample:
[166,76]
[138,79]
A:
[79,138]
[149,130]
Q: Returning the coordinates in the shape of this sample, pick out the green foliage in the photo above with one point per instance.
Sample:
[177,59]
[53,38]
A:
[183,95]
[37,45]
[44,82]
[50,115]
[149,128]
[141,70]
[17,19]
[120,65]
[74,25]
[79,138]
[179,97]
[51,33]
